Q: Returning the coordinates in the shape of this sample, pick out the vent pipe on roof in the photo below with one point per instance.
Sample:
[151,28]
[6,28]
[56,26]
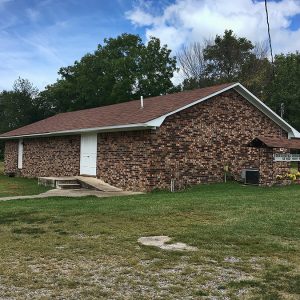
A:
[142,102]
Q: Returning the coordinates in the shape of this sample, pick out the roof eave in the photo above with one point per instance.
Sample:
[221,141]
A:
[126,127]
[292,132]
[157,122]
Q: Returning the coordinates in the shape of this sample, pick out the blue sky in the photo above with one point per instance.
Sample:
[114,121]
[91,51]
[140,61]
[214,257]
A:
[39,37]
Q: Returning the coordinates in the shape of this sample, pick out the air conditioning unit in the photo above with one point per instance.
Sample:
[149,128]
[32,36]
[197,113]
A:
[250,176]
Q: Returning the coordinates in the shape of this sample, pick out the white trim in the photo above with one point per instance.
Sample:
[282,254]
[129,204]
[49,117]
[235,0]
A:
[267,111]
[20,154]
[128,127]
[157,122]
[88,154]
[292,132]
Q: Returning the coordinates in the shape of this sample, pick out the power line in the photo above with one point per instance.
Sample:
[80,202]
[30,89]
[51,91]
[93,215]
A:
[269,34]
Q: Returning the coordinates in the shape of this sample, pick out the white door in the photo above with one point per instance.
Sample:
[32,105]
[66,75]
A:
[88,154]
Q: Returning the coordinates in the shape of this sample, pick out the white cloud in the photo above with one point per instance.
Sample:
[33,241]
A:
[36,56]
[140,17]
[194,20]
[3,2]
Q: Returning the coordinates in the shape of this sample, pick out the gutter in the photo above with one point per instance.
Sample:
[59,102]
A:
[154,123]
[128,127]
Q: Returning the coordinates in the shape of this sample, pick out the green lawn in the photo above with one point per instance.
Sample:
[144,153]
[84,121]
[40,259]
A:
[18,186]
[248,240]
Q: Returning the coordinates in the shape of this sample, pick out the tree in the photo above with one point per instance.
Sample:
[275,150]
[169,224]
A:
[19,107]
[284,90]
[226,59]
[193,65]
[227,56]
[257,72]
[120,70]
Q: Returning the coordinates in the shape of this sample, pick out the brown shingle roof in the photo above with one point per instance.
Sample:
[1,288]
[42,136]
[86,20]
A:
[117,114]
[263,142]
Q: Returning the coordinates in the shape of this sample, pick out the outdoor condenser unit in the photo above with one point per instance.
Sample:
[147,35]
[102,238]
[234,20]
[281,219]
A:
[250,176]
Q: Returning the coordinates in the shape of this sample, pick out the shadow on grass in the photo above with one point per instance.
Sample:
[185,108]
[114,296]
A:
[28,230]
[22,217]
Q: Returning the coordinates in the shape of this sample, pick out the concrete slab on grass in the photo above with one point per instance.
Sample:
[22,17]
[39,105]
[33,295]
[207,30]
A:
[72,193]
[160,242]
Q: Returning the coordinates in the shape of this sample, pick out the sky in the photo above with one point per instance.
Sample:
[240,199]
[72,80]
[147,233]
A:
[37,37]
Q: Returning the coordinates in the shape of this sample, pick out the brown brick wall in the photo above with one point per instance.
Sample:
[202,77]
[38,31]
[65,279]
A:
[11,157]
[194,145]
[52,156]
[124,158]
[269,169]
[191,146]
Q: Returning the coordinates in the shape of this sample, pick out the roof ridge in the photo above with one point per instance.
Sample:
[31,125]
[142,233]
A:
[150,97]
[119,114]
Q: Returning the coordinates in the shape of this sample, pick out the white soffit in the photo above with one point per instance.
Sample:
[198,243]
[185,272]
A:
[248,96]
[267,111]
[157,122]
[128,127]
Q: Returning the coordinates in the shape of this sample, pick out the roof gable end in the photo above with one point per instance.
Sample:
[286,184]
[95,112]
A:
[246,94]
[130,116]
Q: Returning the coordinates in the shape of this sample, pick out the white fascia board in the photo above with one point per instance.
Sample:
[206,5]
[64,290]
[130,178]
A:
[297,135]
[292,132]
[128,127]
[158,121]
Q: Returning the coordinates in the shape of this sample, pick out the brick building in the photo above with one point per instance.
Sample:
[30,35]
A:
[184,138]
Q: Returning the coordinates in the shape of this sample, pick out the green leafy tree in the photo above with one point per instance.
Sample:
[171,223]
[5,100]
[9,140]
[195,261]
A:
[284,90]
[227,56]
[19,107]
[120,70]
[226,59]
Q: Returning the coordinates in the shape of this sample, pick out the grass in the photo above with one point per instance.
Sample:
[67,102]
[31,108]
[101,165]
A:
[86,248]
[18,186]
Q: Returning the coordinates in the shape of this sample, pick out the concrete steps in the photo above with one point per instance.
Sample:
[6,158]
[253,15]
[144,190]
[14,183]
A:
[60,182]
[68,186]
[77,182]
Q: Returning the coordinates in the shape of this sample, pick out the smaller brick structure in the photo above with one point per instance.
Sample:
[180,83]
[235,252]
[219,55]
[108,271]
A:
[186,138]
